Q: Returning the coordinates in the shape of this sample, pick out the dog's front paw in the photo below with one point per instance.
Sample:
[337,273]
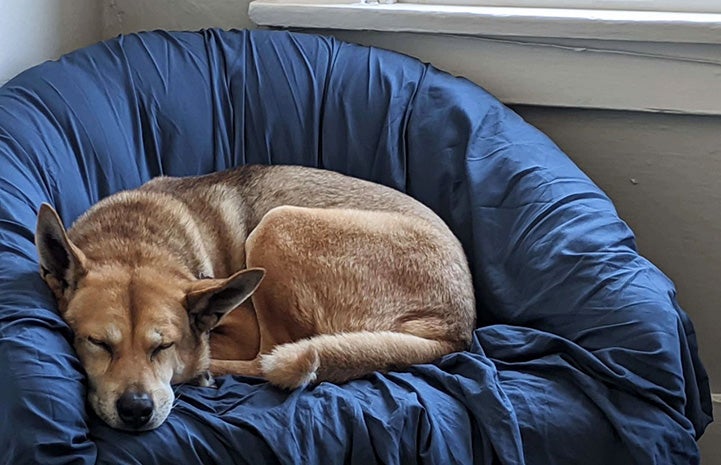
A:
[204,379]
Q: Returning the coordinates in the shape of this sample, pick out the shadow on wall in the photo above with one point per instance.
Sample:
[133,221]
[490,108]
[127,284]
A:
[33,31]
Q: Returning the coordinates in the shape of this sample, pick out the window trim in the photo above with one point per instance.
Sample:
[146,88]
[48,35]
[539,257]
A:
[537,62]
[644,26]
[687,6]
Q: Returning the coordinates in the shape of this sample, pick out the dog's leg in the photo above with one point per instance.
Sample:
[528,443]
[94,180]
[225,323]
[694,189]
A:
[204,379]
[340,357]
[236,367]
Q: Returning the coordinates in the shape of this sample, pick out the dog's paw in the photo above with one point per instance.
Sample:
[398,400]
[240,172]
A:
[291,365]
[204,379]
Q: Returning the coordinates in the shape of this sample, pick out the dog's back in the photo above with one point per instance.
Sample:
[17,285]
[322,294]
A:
[252,191]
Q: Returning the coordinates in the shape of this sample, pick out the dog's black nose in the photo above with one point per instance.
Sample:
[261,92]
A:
[135,408]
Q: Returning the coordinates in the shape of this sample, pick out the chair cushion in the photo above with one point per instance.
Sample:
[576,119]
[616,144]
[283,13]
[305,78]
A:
[582,354]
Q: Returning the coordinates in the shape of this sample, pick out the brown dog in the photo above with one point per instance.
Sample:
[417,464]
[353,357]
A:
[356,277]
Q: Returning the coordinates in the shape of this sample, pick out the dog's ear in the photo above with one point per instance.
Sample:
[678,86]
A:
[209,300]
[62,264]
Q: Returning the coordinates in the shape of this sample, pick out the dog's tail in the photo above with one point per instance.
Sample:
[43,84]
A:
[344,356]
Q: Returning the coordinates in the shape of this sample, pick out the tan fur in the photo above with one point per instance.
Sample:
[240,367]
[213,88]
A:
[358,278]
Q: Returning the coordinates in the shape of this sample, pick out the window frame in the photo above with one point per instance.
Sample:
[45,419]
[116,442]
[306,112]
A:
[659,62]
[671,6]
[436,18]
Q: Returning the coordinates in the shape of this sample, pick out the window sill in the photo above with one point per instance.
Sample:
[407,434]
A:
[645,26]
[611,60]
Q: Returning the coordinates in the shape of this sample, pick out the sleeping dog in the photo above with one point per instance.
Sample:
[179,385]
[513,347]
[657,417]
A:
[302,276]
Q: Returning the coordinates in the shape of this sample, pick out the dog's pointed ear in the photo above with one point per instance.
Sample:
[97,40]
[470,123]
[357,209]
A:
[209,300]
[62,264]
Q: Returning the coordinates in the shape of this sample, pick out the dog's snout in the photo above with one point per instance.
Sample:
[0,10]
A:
[135,408]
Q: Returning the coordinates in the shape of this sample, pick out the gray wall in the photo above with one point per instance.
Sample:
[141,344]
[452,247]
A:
[32,31]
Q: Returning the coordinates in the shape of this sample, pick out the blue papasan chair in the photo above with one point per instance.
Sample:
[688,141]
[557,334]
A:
[582,354]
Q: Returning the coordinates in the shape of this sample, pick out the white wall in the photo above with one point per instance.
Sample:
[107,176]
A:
[33,31]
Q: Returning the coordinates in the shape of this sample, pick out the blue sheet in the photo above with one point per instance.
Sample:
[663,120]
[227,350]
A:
[582,355]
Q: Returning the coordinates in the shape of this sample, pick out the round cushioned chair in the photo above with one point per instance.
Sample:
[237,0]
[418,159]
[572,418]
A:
[582,354]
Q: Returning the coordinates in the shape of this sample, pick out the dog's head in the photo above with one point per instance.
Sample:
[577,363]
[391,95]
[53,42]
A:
[137,330]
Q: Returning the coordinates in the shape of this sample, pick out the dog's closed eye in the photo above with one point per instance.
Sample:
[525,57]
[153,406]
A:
[161,348]
[101,344]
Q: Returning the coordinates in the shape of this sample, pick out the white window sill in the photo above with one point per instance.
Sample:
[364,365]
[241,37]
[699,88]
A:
[614,60]
[647,26]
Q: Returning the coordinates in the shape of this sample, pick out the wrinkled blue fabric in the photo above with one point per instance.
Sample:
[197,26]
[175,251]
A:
[582,354]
